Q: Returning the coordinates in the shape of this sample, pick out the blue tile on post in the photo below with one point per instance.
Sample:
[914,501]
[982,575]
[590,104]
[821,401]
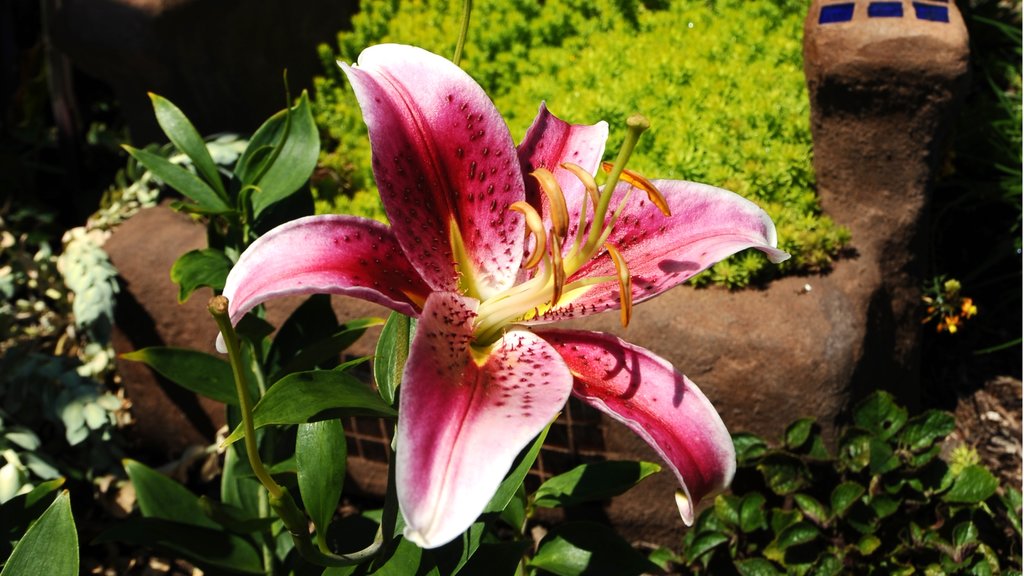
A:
[931,12]
[836,13]
[885,10]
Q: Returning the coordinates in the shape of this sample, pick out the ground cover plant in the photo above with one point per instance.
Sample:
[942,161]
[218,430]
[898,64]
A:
[690,67]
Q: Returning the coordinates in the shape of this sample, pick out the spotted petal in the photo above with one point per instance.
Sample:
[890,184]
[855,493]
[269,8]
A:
[327,254]
[441,154]
[464,418]
[659,404]
[707,225]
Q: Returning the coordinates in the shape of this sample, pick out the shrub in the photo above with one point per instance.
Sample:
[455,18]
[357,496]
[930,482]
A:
[722,83]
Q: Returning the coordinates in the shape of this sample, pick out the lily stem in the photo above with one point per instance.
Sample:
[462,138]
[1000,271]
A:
[467,7]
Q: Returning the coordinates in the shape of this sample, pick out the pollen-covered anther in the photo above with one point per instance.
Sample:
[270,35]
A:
[638,181]
[536,225]
[558,269]
[625,284]
[556,201]
[586,178]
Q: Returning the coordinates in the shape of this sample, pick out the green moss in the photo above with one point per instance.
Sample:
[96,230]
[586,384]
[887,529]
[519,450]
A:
[722,83]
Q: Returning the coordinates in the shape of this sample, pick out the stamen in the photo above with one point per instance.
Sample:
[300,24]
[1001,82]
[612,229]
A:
[638,181]
[586,178]
[556,199]
[557,268]
[536,226]
[625,285]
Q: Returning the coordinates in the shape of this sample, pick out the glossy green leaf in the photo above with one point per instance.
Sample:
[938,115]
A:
[161,497]
[827,565]
[198,268]
[184,136]
[925,429]
[703,544]
[884,506]
[407,559]
[752,516]
[325,349]
[756,567]
[315,395]
[294,146]
[880,415]
[514,479]
[575,548]
[783,473]
[973,485]
[207,547]
[1011,500]
[844,495]
[965,534]
[797,533]
[748,447]
[798,432]
[50,546]
[392,351]
[514,513]
[727,509]
[587,482]
[20,511]
[185,182]
[855,451]
[812,508]
[882,457]
[193,370]
[867,544]
[320,454]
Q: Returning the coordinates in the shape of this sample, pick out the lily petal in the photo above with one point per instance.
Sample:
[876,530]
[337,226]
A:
[327,254]
[707,225]
[464,415]
[548,143]
[662,406]
[441,153]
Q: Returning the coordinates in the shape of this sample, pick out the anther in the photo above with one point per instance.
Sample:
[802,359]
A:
[536,226]
[625,285]
[586,178]
[638,181]
[558,268]
[556,200]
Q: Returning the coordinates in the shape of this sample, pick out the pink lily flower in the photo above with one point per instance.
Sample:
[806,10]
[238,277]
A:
[487,244]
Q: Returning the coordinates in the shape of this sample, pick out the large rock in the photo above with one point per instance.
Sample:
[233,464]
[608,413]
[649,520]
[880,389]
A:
[221,61]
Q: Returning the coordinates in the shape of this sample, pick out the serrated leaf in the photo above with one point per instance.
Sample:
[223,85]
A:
[295,142]
[844,495]
[756,567]
[880,415]
[575,548]
[748,447]
[193,370]
[202,545]
[752,516]
[923,430]
[798,433]
[198,268]
[318,394]
[49,546]
[180,179]
[596,481]
[320,454]
[161,497]
[973,485]
[184,136]
[392,351]
[811,508]
[704,543]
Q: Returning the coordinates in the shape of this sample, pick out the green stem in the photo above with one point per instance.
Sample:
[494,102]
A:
[467,7]
[218,307]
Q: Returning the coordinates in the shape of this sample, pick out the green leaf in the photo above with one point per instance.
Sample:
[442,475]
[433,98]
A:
[281,155]
[575,548]
[193,370]
[408,559]
[328,348]
[50,546]
[235,519]
[161,497]
[827,565]
[587,482]
[18,512]
[748,447]
[798,432]
[923,430]
[313,320]
[844,495]
[320,462]
[811,508]
[184,136]
[1011,500]
[795,534]
[867,544]
[392,350]
[315,395]
[190,185]
[703,544]
[756,567]
[202,545]
[855,451]
[727,509]
[883,458]
[514,479]
[496,558]
[783,473]
[880,415]
[752,516]
[974,485]
[198,268]
[884,506]
[964,534]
